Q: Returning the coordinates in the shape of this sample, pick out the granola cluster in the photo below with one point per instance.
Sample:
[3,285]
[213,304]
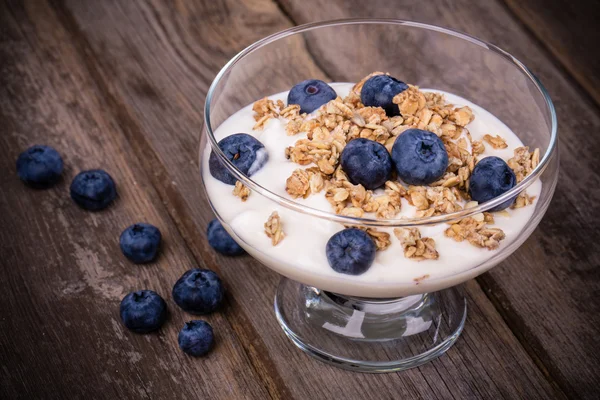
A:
[344,119]
[434,200]
[241,191]
[304,182]
[354,200]
[523,162]
[274,229]
[496,142]
[475,232]
[415,246]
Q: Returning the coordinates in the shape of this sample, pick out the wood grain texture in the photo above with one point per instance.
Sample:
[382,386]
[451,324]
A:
[62,272]
[122,84]
[540,289]
[169,114]
[568,29]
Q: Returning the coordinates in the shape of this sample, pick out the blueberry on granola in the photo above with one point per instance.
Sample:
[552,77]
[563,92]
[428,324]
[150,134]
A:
[196,338]
[491,177]
[350,251]
[366,162]
[198,291]
[310,95]
[140,242]
[39,166]
[93,189]
[379,91]
[419,156]
[221,241]
[143,311]
[246,152]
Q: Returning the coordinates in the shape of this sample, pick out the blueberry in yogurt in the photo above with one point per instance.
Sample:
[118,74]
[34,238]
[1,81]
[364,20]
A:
[491,177]
[311,94]
[350,251]
[366,162]
[379,91]
[143,311]
[198,291]
[221,241]
[419,156]
[196,338]
[244,151]
[93,190]
[39,166]
[140,242]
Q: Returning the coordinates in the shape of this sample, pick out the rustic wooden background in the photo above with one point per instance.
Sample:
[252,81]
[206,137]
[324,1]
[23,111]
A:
[120,85]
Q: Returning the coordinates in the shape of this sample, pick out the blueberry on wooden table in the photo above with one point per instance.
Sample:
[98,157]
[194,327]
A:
[366,162]
[140,242]
[419,156]
[310,95]
[143,311]
[39,166]
[221,241]
[350,251]
[491,177]
[244,151]
[379,91]
[196,338]
[198,291]
[93,190]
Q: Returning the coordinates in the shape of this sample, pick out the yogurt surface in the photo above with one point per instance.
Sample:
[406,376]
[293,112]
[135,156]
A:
[301,254]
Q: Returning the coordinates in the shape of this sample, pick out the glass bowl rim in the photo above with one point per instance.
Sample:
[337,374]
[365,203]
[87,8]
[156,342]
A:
[346,220]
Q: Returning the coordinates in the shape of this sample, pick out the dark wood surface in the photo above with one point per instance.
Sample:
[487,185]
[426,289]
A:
[121,84]
[566,29]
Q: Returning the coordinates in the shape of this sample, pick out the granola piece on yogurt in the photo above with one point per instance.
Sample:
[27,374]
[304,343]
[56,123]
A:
[274,229]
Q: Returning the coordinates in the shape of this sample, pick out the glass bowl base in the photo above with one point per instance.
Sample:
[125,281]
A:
[370,335]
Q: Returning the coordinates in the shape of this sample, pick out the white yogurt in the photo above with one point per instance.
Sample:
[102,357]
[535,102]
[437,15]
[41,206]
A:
[301,254]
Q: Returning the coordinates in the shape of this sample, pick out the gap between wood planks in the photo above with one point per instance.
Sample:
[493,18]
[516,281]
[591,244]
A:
[171,199]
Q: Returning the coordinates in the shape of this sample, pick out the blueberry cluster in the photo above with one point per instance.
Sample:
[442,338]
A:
[418,157]
[197,291]
[41,167]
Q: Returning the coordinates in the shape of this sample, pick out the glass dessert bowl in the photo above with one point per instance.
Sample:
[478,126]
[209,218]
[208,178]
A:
[371,268]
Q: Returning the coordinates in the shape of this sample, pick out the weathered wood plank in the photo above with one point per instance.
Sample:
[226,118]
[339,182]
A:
[569,30]
[62,273]
[540,288]
[161,48]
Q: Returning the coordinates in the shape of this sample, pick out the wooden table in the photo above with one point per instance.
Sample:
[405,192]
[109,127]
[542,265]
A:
[121,84]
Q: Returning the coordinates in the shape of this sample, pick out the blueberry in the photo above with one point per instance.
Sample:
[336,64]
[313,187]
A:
[198,291]
[379,90]
[366,162]
[244,151]
[221,241]
[143,311]
[196,338]
[140,242]
[39,166]
[490,178]
[419,156]
[311,94]
[350,251]
[93,189]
